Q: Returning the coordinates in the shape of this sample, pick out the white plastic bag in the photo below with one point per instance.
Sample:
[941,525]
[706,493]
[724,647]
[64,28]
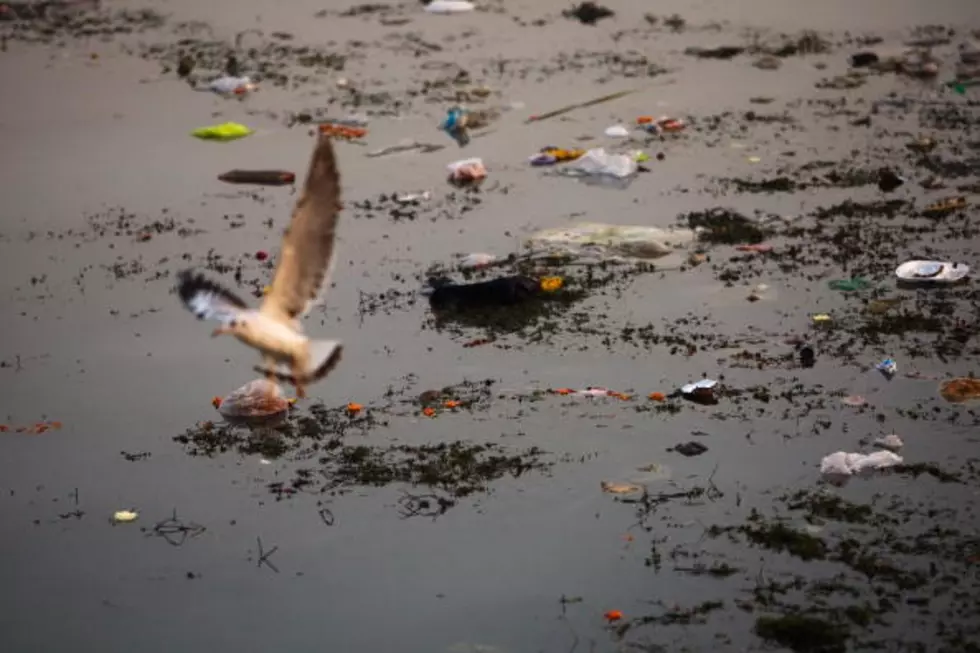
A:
[848,464]
[449,6]
[606,241]
[598,162]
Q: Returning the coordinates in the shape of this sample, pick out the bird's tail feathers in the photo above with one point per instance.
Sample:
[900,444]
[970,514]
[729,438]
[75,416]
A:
[324,356]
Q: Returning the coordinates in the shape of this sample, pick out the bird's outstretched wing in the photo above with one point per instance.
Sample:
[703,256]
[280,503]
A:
[208,300]
[306,257]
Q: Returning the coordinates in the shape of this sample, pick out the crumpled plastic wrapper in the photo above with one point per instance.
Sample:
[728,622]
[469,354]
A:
[256,400]
[842,464]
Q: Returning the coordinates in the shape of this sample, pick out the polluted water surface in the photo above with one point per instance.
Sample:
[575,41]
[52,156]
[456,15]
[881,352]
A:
[633,299]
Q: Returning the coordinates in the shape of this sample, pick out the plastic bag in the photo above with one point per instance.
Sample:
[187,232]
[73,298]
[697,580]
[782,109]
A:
[228,85]
[848,464]
[598,162]
[467,170]
[449,6]
[605,241]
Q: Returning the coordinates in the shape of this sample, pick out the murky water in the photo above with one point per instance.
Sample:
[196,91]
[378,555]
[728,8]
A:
[94,338]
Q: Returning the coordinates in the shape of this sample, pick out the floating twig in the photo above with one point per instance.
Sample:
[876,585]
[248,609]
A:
[265,555]
[580,105]
[175,531]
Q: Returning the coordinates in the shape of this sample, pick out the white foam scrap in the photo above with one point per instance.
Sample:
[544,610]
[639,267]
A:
[841,463]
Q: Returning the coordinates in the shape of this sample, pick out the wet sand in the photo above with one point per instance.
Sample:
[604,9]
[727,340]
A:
[95,339]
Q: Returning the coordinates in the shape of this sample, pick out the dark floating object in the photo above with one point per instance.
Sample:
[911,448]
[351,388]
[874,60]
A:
[808,357]
[690,448]
[588,13]
[186,66]
[888,180]
[864,59]
[505,291]
[264,177]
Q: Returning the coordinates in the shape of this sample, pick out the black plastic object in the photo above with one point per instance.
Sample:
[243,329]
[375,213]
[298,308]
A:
[262,177]
[505,291]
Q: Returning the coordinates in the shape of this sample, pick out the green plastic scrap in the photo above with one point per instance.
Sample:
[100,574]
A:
[228,131]
[849,285]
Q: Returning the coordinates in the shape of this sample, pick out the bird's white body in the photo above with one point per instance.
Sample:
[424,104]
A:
[302,274]
[273,338]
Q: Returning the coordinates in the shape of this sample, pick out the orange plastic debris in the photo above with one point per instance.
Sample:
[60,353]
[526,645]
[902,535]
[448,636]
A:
[353,408]
[429,411]
[55,425]
[613,615]
[342,131]
[451,403]
[657,396]
[564,391]
[216,401]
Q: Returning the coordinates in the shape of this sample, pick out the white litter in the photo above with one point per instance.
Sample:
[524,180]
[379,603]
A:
[605,241]
[598,162]
[409,198]
[703,385]
[227,85]
[847,464]
[617,131]
[476,260]
[124,516]
[932,271]
[891,442]
[449,7]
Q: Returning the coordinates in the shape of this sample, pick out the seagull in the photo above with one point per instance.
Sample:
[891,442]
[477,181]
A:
[306,261]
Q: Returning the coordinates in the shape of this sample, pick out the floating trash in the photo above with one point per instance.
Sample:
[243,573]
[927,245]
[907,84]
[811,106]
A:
[960,390]
[604,241]
[888,367]
[228,131]
[229,85]
[476,261]
[843,464]
[932,271]
[890,442]
[257,400]
[467,170]
[449,7]
[260,177]
[702,391]
[124,516]
[620,488]
[849,285]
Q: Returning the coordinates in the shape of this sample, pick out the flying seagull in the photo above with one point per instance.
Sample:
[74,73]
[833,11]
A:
[305,264]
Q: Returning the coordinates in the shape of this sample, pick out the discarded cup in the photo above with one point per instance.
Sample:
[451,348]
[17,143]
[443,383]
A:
[888,367]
